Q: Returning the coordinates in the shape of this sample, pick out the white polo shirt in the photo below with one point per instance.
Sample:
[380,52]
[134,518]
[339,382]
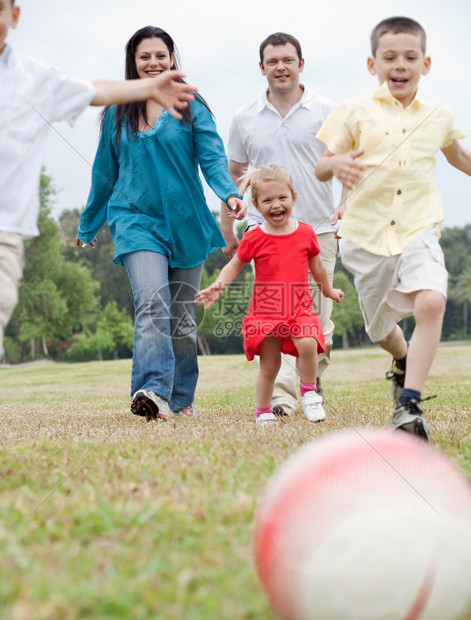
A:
[259,135]
[32,96]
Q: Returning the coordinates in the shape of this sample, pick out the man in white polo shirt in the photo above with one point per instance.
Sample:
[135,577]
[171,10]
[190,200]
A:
[280,127]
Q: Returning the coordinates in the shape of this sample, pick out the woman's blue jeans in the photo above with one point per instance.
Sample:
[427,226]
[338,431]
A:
[164,357]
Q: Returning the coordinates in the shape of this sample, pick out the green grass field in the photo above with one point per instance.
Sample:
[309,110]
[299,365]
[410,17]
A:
[106,516]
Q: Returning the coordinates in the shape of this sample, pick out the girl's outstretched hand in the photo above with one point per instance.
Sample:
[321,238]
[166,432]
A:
[207,296]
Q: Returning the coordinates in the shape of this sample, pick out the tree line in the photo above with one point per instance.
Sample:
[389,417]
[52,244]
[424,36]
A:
[76,304]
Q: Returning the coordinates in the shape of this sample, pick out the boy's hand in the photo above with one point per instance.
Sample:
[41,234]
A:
[237,208]
[347,169]
[171,94]
[340,210]
[339,213]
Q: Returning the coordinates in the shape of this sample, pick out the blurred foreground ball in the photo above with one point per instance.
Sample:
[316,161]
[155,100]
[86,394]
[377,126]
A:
[366,524]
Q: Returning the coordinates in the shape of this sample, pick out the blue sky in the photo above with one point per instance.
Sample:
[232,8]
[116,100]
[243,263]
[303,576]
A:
[218,45]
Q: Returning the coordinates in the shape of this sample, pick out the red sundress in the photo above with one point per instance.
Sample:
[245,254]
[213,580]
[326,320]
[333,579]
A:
[281,305]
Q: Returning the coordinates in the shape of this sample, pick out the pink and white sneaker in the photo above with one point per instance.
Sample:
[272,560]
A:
[266,419]
[311,403]
[187,412]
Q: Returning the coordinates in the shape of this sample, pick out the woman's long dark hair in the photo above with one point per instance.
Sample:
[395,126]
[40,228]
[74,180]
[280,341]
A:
[131,113]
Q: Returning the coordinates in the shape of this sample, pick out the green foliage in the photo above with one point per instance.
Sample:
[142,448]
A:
[56,297]
[219,326]
[118,324]
[462,284]
[12,350]
[460,292]
[456,244]
[82,349]
[347,316]
[113,337]
[112,279]
[79,290]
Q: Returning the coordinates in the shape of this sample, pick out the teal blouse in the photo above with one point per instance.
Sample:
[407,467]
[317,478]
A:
[150,192]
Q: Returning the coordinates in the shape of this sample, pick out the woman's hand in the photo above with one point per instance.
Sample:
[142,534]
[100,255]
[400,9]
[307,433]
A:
[237,208]
[84,245]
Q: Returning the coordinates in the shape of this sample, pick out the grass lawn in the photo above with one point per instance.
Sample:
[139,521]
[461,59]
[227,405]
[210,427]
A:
[106,516]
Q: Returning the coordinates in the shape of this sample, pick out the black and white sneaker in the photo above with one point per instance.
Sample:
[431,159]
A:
[279,410]
[396,375]
[409,417]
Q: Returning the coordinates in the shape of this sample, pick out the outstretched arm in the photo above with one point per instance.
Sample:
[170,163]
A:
[164,89]
[458,157]
[319,273]
[208,296]
[344,167]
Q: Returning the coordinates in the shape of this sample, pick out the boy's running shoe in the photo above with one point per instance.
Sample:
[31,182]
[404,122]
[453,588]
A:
[150,405]
[396,375]
[409,417]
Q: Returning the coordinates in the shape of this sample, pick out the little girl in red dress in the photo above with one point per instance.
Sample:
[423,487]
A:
[281,318]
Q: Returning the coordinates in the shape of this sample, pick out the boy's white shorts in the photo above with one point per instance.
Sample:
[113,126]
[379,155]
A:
[384,283]
[11,271]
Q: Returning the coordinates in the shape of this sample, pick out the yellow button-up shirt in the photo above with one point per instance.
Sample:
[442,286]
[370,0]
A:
[398,196]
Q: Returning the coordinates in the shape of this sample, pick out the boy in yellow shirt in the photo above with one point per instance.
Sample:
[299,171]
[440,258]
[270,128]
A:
[382,149]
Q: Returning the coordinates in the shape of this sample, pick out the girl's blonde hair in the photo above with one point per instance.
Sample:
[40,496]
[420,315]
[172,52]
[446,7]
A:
[271,172]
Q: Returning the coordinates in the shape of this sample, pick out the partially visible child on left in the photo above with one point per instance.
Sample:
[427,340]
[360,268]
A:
[280,318]
[33,96]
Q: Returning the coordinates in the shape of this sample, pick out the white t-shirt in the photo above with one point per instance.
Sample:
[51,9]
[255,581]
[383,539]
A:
[32,97]
[259,135]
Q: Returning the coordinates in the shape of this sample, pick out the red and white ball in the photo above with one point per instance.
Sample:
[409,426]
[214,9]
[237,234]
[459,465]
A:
[366,524]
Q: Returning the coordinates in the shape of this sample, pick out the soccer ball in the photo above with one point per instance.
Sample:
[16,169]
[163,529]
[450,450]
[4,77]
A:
[366,524]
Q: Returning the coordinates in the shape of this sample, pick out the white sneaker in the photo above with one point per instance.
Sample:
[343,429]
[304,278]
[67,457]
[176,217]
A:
[150,405]
[311,403]
[266,419]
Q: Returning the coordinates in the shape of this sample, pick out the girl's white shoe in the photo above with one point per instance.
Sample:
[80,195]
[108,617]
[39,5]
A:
[311,403]
[266,419]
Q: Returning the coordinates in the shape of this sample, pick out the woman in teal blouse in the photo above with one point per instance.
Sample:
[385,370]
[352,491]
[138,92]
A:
[146,185]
